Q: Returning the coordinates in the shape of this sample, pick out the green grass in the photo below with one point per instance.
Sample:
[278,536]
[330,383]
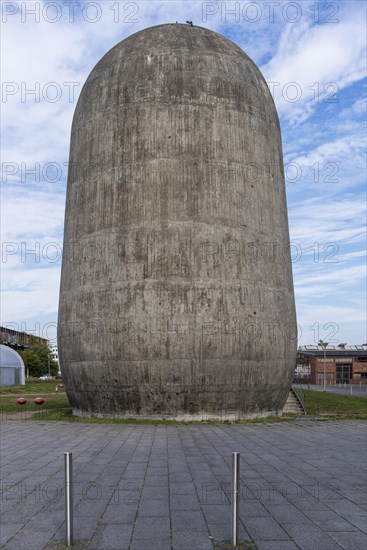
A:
[335,406]
[32,389]
[33,385]
[56,407]
[324,405]
[55,402]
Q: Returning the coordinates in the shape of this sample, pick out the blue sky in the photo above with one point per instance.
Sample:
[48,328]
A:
[313,55]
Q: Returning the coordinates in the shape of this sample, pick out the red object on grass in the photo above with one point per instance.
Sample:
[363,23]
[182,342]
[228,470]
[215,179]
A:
[61,385]
[21,401]
[39,401]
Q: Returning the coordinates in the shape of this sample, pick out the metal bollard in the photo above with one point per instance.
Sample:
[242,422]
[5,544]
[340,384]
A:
[235,496]
[69,498]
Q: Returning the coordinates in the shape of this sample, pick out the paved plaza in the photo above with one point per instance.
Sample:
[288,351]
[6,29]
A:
[164,487]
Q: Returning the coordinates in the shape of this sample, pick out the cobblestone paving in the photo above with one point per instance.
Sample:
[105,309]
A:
[146,487]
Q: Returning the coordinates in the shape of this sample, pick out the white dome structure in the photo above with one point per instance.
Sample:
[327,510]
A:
[11,367]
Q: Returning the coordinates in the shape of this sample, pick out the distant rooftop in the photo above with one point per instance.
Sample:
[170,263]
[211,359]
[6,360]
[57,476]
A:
[336,349]
[16,339]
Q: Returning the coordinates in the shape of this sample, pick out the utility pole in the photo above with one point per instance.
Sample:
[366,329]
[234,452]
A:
[324,345]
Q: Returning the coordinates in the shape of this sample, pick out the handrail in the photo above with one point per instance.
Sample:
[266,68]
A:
[300,393]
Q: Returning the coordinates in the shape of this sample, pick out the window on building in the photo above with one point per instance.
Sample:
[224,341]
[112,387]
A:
[343,373]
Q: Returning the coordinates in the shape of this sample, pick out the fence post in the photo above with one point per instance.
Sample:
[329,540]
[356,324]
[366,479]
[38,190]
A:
[69,498]
[235,496]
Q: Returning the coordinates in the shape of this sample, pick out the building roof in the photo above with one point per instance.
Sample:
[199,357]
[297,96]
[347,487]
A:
[9,357]
[17,339]
[347,350]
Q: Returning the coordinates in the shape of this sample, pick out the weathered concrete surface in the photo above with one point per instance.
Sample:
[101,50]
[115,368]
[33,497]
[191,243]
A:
[176,292]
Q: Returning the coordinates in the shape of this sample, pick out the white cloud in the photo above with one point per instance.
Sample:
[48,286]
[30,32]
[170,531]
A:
[334,275]
[358,108]
[333,323]
[55,60]
[348,147]
[324,55]
[32,293]
[327,221]
[32,213]
[302,52]
[31,253]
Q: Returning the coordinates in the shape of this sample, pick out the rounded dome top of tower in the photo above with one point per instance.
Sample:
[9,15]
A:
[168,37]
[177,63]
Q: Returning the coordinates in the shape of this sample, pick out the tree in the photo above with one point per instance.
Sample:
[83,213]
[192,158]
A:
[38,360]
[32,362]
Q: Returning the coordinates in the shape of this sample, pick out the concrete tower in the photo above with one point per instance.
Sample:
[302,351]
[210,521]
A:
[176,292]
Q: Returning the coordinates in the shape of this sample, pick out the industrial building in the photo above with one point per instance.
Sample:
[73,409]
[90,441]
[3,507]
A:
[18,339]
[339,364]
[55,353]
